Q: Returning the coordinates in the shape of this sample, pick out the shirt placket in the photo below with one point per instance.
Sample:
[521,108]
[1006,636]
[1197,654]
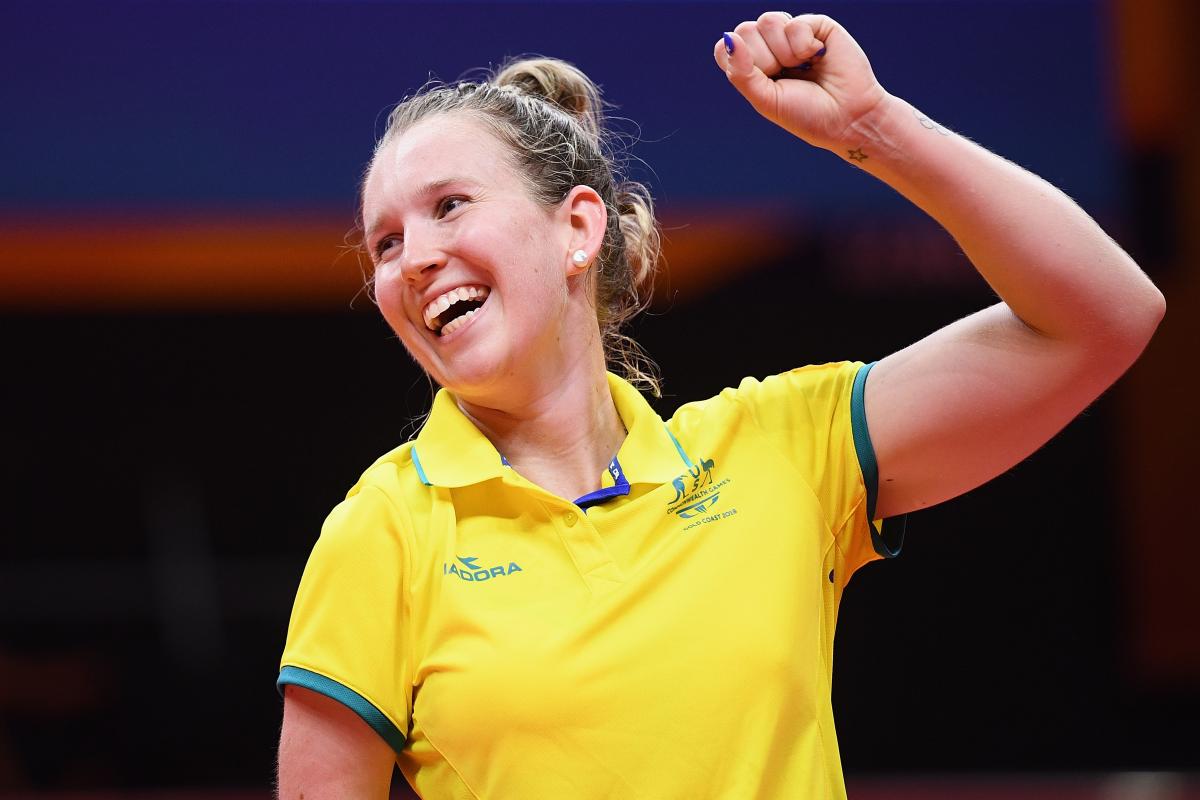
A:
[585,546]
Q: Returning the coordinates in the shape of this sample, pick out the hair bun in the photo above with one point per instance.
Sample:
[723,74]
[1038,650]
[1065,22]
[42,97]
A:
[558,82]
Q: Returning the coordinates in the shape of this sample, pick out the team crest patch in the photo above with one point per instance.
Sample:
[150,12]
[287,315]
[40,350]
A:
[698,494]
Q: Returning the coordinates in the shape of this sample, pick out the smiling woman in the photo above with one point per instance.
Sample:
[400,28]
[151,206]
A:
[522,149]
[520,602]
[479,232]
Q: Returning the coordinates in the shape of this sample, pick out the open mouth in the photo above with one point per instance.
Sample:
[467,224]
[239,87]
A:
[452,310]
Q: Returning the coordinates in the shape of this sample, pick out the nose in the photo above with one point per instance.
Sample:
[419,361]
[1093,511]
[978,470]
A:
[423,254]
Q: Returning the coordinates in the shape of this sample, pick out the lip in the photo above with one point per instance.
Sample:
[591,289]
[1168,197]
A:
[456,334]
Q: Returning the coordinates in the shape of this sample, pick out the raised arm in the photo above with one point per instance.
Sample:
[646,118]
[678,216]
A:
[327,751]
[971,400]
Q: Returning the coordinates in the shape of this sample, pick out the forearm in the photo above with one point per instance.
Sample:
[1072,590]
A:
[1047,259]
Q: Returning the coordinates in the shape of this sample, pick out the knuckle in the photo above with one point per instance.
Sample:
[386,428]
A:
[774,19]
[744,29]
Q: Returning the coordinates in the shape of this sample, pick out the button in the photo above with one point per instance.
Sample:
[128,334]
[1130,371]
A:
[570,519]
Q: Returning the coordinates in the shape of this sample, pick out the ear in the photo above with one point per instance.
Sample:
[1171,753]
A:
[587,216]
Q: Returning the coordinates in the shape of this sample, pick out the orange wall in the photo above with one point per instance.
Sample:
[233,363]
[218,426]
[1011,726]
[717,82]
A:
[264,261]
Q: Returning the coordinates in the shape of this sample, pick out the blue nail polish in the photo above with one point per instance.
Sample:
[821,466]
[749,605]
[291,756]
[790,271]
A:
[728,37]
[806,66]
[820,52]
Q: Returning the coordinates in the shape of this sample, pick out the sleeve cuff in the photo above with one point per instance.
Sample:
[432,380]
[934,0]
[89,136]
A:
[360,705]
[888,542]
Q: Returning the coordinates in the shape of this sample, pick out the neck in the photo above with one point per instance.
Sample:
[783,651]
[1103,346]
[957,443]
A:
[561,433]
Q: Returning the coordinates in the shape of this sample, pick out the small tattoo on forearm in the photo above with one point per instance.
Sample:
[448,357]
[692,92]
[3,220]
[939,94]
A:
[926,122]
[857,154]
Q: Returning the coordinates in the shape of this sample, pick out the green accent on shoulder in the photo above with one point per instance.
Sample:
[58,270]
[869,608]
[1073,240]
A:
[360,705]
[679,448]
[868,465]
[417,464]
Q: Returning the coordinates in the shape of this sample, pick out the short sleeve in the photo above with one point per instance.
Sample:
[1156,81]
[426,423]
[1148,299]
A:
[816,417]
[349,636]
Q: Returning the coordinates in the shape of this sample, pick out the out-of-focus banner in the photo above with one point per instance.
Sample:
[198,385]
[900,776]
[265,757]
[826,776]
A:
[216,147]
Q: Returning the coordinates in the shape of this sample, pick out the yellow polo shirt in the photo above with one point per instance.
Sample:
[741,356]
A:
[673,641]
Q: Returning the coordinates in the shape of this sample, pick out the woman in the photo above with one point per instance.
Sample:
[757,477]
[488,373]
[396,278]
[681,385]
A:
[462,616]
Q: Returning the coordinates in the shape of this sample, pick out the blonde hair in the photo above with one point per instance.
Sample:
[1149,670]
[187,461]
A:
[550,115]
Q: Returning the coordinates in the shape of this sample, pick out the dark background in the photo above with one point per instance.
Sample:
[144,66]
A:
[190,382]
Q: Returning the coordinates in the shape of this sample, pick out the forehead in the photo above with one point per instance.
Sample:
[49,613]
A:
[445,146]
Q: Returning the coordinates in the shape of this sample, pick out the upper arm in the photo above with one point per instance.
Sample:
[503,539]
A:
[346,666]
[973,399]
[327,750]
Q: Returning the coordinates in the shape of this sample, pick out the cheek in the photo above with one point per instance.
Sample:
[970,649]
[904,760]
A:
[387,297]
[389,294]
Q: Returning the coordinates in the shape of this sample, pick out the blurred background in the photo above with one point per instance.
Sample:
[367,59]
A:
[192,378]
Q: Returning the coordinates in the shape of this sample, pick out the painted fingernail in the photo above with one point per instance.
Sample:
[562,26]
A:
[807,65]
[820,52]
[728,37]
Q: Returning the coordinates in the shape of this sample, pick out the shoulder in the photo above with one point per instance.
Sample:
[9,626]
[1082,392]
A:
[380,505]
[801,390]
[815,383]
[395,475]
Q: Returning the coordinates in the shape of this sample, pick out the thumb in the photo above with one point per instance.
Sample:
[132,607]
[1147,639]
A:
[734,57]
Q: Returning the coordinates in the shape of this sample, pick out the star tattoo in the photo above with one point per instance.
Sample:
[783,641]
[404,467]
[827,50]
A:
[858,155]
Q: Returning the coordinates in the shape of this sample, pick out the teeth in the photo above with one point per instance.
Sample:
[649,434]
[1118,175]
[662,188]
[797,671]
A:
[458,322]
[439,304]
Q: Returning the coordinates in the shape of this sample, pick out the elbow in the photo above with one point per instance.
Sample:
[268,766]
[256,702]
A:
[1149,316]
[1159,307]
[1126,333]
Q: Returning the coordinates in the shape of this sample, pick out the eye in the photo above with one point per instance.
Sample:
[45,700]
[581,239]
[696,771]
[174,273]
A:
[450,203]
[385,244]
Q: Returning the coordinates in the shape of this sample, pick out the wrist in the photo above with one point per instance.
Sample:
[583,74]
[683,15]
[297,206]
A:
[873,138]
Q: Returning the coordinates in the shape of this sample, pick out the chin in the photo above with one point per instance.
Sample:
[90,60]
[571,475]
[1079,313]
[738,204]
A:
[474,376]
[487,366]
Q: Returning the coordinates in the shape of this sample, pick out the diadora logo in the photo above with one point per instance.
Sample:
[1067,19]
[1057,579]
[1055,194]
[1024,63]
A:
[696,494]
[472,572]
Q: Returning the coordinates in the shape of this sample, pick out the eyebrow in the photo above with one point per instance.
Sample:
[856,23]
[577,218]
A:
[432,187]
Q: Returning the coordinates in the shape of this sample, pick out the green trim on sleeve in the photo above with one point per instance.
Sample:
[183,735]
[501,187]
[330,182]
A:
[869,467]
[347,697]
[862,438]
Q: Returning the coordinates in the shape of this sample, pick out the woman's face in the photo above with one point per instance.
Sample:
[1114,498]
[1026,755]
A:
[470,271]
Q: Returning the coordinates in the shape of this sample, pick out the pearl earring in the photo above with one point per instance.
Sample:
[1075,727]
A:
[579,257]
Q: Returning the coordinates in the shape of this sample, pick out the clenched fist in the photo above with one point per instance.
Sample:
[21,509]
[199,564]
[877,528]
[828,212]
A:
[805,74]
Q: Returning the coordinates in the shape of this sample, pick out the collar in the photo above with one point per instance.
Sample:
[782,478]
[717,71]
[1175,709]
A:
[451,452]
[650,453]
